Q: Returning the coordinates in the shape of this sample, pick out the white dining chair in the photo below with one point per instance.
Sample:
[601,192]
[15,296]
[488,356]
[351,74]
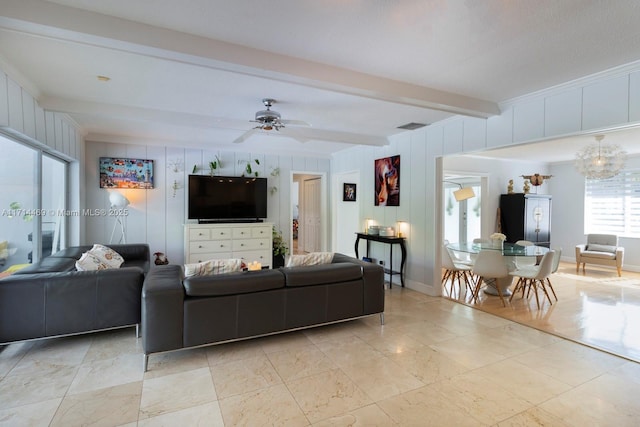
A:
[525,261]
[533,278]
[455,272]
[489,264]
[554,268]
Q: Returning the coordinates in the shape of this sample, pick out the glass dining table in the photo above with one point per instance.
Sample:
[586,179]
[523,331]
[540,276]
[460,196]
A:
[510,251]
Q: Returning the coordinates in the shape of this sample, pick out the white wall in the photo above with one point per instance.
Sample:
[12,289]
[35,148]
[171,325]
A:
[157,217]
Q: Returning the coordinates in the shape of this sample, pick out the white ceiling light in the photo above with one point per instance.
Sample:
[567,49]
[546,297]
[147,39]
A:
[600,161]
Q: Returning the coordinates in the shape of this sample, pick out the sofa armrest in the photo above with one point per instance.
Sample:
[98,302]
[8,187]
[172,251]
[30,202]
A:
[373,279]
[579,250]
[162,309]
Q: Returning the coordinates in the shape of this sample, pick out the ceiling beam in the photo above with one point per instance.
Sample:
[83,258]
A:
[60,22]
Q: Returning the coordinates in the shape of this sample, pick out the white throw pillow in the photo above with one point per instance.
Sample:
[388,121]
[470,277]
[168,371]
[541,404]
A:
[90,262]
[110,257]
[213,266]
[313,258]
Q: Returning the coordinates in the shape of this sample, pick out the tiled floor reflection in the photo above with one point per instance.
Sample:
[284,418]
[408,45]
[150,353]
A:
[596,308]
[434,362]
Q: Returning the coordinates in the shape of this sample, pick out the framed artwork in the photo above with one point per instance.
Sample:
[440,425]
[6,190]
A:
[349,192]
[387,181]
[126,173]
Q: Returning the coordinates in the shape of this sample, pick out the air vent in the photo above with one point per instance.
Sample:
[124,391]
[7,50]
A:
[412,126]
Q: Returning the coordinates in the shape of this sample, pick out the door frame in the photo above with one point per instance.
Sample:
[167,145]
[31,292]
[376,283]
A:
[324,226]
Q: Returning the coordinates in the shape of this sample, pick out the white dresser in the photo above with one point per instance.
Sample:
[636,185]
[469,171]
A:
[250,241]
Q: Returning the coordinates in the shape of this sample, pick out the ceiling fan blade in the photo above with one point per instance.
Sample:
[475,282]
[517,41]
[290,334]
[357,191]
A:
[304,135]
[295,123]
[245,136]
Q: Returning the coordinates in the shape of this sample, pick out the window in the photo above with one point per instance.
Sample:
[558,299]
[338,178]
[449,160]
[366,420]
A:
[612,206]
[32,198]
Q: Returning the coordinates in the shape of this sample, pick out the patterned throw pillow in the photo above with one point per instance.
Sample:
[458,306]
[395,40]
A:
[213,266]
[90,262]
[313,258]
[108,256]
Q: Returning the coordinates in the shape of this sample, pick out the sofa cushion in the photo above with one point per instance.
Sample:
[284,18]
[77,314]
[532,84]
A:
[321,274]
[241,282]
[50,265]
[597,254]
[110,257]
[313,258]
[601,248]
[213,266]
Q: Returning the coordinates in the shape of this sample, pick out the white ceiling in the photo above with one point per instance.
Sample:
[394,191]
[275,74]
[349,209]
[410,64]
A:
[193,72]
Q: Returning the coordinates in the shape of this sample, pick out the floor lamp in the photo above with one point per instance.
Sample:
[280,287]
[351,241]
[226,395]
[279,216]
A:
[118,203]
[463,193]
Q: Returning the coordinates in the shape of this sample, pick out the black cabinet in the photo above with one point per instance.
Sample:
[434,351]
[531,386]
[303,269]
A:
[526,217]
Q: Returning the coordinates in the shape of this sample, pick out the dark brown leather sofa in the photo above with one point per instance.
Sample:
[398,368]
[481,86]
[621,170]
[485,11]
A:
[50,298]
[181,313]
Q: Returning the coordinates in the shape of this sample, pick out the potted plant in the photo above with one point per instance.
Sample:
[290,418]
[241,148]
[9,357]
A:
[280,249]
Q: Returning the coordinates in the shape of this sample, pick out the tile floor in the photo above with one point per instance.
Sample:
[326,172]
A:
[434,362]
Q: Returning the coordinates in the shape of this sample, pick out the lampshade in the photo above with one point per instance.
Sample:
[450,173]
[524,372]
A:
[600,161]
[118,200]
[464,193]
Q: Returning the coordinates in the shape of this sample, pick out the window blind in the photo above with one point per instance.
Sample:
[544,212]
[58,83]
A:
[612,206]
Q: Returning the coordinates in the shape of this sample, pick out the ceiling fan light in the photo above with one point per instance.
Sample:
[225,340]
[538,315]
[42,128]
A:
[267,127]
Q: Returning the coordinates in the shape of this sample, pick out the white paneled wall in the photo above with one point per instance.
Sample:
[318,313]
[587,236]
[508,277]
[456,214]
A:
[157,216]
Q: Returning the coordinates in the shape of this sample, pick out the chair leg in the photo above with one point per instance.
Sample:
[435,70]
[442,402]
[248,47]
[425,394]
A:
[552,290]
[544,289]
[476,292]
[467,281]
[619,271]
[519,286]
[535,291]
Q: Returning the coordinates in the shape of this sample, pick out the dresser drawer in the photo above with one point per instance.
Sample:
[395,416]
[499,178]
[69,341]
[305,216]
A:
[241,233]
[261,232]
[263,257]
[195,258]
[199,234]
[250,244]
[210,246]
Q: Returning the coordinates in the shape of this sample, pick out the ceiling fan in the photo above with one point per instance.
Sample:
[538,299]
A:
[268,120]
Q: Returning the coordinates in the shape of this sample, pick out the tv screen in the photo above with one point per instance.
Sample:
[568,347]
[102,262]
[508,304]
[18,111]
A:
[227,198]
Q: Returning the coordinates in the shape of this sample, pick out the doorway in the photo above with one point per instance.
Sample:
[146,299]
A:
[462,219]
[307,213]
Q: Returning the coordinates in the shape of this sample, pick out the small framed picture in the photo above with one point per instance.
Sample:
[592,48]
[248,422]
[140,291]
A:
[349,193]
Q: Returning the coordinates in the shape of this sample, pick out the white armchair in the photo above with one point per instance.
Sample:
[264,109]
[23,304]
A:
[600,249]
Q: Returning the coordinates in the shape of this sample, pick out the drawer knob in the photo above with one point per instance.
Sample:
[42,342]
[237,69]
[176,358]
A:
[199,246]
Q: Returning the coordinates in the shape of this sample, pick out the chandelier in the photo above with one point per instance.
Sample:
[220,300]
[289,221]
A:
[600,161]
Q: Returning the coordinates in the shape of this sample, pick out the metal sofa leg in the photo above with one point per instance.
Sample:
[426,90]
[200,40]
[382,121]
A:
[382,318]
[145,362]
[137,330]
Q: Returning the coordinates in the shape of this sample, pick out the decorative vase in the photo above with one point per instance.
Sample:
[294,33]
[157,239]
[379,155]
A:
[278,261]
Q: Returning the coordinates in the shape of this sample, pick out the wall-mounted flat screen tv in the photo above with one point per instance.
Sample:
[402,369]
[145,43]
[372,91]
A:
[219,198]
[126,173]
